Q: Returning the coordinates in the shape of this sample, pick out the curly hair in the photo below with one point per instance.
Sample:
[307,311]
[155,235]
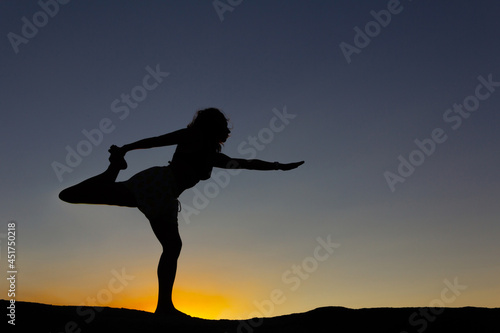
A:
[213,124]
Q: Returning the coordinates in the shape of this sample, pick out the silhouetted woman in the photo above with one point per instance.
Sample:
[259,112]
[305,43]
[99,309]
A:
[155,190]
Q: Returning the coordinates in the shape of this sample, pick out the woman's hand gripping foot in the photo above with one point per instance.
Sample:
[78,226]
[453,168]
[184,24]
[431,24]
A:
[117,157]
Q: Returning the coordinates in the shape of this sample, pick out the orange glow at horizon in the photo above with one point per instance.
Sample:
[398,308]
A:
[196,303]
[201,304]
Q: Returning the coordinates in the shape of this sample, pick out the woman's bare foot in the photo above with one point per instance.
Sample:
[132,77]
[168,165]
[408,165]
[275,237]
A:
[171,313]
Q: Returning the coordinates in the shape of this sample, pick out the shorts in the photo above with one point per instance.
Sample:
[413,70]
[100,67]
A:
[155,193]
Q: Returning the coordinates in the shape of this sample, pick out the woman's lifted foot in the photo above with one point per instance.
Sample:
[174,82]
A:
[117,157]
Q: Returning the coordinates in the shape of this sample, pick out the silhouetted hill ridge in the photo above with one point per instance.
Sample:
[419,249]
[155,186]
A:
[73,319]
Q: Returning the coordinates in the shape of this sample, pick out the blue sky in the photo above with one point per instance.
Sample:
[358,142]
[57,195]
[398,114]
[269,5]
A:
[350,122]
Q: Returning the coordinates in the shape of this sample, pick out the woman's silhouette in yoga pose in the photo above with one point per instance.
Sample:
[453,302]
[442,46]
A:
[155,190]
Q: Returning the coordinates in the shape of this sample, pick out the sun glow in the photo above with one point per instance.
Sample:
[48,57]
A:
[201,304]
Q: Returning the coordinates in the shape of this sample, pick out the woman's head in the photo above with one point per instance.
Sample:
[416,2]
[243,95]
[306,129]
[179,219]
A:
[212,123]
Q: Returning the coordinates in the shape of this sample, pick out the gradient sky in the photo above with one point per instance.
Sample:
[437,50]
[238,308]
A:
[253,240]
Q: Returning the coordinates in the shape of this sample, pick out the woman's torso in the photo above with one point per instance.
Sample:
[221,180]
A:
[193,161]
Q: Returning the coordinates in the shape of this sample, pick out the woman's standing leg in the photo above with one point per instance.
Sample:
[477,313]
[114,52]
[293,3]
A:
[167,269]
[166,229]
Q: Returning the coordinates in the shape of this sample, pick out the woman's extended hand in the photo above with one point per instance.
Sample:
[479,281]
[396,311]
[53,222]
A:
[289,166]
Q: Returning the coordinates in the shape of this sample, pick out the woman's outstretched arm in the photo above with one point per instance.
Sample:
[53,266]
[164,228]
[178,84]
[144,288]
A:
[226,162]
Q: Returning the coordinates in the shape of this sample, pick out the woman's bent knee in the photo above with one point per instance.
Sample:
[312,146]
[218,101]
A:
[65,195]
[171,246]
[113,194]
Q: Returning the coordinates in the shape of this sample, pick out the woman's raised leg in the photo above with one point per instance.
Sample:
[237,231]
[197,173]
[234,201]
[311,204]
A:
[102,189]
